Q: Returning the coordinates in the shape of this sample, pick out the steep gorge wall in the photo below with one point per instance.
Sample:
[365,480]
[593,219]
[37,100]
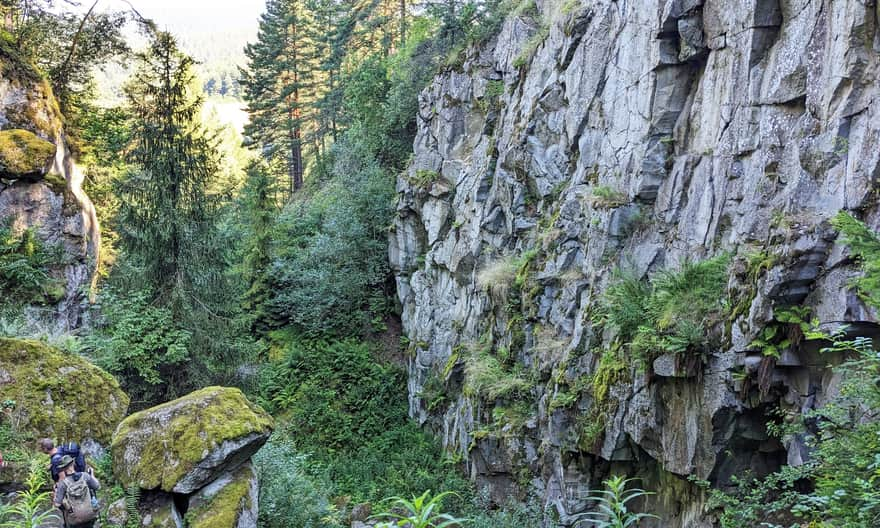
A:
[636,133]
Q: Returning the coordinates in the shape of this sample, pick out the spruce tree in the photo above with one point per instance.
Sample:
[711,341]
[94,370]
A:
[165,212]
[259,208]
[172,248]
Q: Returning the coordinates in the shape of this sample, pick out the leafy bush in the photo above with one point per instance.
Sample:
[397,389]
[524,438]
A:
[140,343]
[349,413]
[30,508]
[330,262]
[290,495]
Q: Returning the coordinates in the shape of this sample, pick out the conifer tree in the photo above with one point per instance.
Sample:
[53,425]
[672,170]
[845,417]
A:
[259,208]
[167,221]
[277,84]
[165,212]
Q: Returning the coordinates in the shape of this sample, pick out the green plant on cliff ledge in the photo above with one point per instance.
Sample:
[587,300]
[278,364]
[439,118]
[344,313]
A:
[489,378]
[24,267]
[673,313]
[864,245]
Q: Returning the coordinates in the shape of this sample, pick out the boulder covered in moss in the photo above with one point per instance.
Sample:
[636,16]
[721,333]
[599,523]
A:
[24,155]
[58,395]
[184,444]
[231,501]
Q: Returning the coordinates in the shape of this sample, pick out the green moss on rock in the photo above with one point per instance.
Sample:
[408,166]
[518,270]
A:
[223,504]
[23,154]
[59,395]
[183,444]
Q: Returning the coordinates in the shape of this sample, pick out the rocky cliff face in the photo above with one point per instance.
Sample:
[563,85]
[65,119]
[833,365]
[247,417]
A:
[41,187]
[607,134]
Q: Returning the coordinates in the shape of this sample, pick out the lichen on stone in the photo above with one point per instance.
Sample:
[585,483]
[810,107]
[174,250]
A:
[59,395]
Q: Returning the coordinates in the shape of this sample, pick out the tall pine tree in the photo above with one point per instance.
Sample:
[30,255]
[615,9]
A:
[277,85]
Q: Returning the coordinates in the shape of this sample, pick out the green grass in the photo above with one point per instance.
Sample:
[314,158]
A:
[604,197]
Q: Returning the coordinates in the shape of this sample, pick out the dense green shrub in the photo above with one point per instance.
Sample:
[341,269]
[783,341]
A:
[289,494]
[675,312]
[330,264]
[24,267]
[139,342]
[349,413]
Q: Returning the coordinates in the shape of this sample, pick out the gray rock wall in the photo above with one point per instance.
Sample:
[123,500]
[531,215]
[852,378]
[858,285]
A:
[56,206]
[707,126]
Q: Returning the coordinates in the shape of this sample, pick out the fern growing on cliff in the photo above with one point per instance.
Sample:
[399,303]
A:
[864,245]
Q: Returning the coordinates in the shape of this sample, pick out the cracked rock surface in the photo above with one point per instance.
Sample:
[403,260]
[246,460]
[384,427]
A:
[638,134]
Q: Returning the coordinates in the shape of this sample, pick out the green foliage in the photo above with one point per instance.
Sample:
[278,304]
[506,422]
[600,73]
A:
[423,178]
[844,466]
[423,511]
[174,263]
[30,508]
[865,247]
[349,412]
[672,313]
[606,197]
[330,262]
[613,505]
[290,494]
[789,326]
[258,207]
[486,377]
[25,264]
[141,343]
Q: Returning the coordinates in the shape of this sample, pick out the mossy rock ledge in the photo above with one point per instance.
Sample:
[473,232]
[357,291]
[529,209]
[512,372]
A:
[24,155]
[182,445]
[231,501]
[59,395]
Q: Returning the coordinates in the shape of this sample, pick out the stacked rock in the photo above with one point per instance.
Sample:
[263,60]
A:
[191,460]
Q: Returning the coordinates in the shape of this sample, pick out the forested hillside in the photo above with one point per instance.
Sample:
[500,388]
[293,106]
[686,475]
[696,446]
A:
[493,263]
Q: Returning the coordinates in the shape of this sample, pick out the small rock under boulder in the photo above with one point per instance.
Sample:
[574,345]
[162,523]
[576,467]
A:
[185,444]
[231,501]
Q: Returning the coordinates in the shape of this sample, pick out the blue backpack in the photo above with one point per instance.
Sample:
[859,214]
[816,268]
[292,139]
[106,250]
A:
[73,451]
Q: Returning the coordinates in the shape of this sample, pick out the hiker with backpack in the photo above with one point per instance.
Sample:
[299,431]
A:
[72,449]
[74,495]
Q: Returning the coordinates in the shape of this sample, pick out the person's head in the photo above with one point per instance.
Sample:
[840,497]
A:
[66,466]
[46,445]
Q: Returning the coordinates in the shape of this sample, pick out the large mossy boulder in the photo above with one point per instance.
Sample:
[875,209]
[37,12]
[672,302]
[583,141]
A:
[182,445]
[59,395]
[24,155]
[231,501]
